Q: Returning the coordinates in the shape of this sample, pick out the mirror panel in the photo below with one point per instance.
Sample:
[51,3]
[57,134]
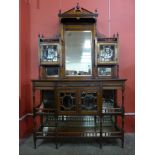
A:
[105,71]
[52,71]
[78,53]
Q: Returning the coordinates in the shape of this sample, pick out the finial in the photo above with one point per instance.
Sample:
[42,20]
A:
[77,6]
[117,35]
[60,11]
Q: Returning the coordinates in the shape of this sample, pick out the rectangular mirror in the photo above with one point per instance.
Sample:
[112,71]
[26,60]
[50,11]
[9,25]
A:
[105,71]
[78,53]
[52,71]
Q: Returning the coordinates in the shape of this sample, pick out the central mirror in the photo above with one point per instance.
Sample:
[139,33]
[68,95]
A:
[78,53]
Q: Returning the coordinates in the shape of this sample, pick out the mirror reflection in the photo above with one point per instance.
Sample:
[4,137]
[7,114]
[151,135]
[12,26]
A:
[78,55]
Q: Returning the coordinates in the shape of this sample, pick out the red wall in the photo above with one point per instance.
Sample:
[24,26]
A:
[24,83]
[41,16]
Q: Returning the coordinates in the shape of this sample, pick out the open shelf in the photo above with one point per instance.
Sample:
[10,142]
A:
[112,111]
[96,131]
[78,126]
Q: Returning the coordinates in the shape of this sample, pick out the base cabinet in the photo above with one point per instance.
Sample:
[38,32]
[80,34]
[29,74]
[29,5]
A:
[65,111]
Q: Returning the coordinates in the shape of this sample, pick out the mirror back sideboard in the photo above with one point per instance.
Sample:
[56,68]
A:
[78,94]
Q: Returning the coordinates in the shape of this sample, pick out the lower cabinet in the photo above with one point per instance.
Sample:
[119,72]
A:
[78,113]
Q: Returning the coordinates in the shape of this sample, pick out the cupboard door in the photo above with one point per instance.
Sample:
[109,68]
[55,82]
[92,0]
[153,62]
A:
[89,101]
[67,101]
[78,101]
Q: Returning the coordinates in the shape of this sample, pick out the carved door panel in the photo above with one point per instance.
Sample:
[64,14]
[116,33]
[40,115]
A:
[88,101]
[67,101]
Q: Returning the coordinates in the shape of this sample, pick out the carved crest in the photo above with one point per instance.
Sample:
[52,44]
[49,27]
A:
[78,12]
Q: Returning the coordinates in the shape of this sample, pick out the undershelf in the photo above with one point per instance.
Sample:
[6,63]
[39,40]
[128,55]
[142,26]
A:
[105,111]
[75,127]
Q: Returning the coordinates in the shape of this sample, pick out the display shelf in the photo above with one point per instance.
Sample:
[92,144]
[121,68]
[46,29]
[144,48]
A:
[110,131]
[112,111]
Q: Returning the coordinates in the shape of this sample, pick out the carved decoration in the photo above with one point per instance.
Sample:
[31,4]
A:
[78,12]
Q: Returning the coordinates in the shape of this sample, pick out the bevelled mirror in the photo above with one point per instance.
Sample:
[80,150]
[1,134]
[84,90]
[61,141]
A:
[78,53]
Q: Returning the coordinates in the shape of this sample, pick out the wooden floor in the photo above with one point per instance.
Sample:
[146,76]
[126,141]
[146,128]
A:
[110,147]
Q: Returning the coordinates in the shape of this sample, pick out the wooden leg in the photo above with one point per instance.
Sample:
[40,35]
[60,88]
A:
[56,145]
[34,140]
[56,134]
[95,119]
[100,144]
[122,139]
[123,118]
[101,132]
[34,115]
[123,142]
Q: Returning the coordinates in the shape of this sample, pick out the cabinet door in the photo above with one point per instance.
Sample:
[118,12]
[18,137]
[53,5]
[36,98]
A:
[67,101]
[88,101]
[78,101]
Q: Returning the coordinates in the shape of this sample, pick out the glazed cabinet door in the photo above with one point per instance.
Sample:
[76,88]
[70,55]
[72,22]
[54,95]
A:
[88,101]
[78,101]
[67,101]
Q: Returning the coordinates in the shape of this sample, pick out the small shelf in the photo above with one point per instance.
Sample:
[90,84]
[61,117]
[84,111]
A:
[50,63]
[110,63]
[112,111]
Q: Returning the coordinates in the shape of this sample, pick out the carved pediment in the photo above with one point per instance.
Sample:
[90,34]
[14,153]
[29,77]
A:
[78,12]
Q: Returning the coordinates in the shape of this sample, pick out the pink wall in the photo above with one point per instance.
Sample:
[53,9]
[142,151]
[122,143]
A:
[40,16]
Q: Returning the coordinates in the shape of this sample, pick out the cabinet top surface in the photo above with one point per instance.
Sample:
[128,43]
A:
[77,80]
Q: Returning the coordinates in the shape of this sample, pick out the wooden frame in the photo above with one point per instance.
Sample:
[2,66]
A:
[84,27]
